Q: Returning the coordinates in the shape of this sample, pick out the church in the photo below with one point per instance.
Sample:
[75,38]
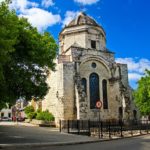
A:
[86,72]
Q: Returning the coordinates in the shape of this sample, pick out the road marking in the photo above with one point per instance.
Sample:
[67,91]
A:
[17,137]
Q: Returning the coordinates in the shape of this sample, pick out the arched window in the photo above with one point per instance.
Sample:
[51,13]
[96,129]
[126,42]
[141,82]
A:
[94,90]
[105,101]
[84,84]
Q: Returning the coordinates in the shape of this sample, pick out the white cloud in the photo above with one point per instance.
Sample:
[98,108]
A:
[38,17]
[69,16]
[136,67]
[47,3]
[144,64]
[135,64]
[22,5]
[86,2]
[134,76]
[132,65]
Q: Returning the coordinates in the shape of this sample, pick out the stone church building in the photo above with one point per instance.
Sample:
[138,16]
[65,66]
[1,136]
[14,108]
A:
[86,72]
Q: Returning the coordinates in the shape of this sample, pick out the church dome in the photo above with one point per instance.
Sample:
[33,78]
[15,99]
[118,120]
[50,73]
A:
[82,19]
[84,31]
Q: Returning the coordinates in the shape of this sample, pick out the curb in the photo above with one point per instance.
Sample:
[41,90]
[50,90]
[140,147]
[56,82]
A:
[46,144]
[29,145]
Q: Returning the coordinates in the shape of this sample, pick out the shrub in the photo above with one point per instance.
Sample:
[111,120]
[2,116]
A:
[31,115]
[39,110]
[30,112]
[29,109]
[45,115]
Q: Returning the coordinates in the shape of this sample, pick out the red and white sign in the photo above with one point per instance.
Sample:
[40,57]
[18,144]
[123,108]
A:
[98,104]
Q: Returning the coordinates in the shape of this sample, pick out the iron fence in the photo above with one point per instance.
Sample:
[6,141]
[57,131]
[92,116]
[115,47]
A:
[105,129]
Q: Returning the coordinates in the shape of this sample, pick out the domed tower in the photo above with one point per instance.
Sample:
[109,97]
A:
[86,72]
[84,32]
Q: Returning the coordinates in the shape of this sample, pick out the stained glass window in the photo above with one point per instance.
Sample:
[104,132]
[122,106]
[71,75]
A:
[94,90]
[84,84]
[105,101]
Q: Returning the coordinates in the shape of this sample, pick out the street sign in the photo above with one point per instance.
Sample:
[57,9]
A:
[99,104]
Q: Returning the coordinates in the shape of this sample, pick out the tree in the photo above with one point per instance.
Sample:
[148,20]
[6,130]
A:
[25,58]
[30,112]
[8,38]
[142,94]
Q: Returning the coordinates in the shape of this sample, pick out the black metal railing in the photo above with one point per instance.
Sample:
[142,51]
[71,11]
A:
[105,129]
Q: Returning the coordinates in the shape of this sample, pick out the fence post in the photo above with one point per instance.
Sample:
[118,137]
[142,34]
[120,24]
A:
[89,127]
[68,125]
[101,129]
[140,127]
[109,129]
[121,124]
[82,127]
[147,126]
[78,126]
[59,125]
[131,131]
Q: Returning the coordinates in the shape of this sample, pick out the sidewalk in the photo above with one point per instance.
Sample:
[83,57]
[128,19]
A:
[24,134]
[10,123]
[19,135]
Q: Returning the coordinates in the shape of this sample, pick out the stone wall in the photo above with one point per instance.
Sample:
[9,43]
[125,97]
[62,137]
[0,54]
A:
[97,35]
[82,35]
[70,39]
[124,74]
[69,91]
[54,100]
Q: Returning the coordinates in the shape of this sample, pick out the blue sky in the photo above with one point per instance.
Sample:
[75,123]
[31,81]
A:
[126,22]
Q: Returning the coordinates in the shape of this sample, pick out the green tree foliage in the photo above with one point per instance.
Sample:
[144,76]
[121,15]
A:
[45,115]
[142,94]
[30,112]
[25,58]
[8,38]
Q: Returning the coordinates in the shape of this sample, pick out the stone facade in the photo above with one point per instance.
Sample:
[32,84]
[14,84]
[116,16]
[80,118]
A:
[85,65]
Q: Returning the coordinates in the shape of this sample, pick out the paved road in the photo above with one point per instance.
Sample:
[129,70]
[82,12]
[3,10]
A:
[11,133]
[20,134]
[138,143]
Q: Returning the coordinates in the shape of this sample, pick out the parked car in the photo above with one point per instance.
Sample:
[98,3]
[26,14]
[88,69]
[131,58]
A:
[20,119]
[6,119]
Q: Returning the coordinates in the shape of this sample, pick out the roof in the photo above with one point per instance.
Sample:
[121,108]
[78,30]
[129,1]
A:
[82,19]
